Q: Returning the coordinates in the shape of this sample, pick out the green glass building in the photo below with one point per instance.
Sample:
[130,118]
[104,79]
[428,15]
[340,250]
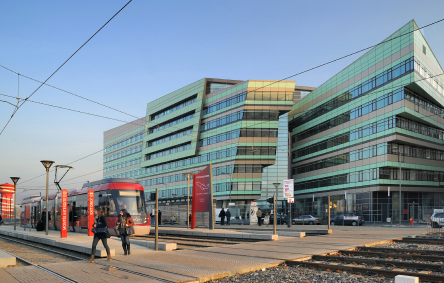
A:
[241,127]
[376,126]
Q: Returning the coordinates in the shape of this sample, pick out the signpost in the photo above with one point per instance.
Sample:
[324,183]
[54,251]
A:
[289,193]
[90,212]
[64,215]
[202,200]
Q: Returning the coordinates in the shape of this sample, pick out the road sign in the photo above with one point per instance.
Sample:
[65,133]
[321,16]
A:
[288,188]
[290,200]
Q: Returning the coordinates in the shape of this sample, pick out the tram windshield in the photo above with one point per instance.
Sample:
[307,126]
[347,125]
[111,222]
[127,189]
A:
[132,201]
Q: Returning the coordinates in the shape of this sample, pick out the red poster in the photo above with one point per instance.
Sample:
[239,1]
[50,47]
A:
[64,214]
[201,191]
[90,212]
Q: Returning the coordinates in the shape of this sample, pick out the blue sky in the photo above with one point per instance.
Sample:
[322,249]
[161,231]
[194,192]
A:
[155,47]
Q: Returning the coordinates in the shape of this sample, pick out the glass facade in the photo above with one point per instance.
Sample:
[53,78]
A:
[376,125]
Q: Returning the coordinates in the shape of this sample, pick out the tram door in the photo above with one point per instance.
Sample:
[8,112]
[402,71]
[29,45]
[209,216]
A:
[72,216]
[34,216]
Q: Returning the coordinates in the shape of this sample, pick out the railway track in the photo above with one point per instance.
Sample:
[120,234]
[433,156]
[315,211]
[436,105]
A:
[381,261]
[60,276]
[189,241]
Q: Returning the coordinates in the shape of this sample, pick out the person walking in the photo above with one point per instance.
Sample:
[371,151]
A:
[99,222]
[222,216]
[228,215]
[125,223]
[159,217]
[259,216]
[43,219]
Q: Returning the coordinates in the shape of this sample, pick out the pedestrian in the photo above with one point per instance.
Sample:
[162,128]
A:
[259,216]
[173,218]
[228,215]
[1,220]
[189,220]
[159,217]
[222,216]
[99,233]
[126,229]
[43,219]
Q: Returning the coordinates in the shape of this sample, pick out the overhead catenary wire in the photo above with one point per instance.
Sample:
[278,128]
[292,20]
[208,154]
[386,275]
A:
[68,92]
[343,57]
[63,64]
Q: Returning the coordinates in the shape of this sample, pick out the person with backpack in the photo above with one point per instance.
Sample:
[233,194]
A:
[100,233]
[228,215]
[125,223]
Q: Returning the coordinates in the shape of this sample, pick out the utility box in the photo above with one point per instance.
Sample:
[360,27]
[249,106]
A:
[406,279]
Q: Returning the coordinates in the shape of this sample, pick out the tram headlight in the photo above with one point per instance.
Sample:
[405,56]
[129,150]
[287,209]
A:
[145,220]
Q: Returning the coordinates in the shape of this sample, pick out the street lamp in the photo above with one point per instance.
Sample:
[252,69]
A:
[15,180]
[47,164]
[187,174]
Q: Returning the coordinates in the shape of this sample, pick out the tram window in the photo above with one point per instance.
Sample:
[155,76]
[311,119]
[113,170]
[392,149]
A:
[132,201]
[103,201]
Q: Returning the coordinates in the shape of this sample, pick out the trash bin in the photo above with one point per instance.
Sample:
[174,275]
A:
[389,219]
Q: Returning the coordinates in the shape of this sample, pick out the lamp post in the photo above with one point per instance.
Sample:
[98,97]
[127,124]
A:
[15,180]
[187,174]
[47,164]
[276,185]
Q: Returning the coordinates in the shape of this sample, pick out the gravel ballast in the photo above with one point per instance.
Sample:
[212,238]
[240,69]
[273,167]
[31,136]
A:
[293,274]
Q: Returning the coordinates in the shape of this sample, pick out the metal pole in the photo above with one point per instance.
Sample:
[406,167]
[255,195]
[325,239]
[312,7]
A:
[289,215]
[156,221]
[15,180]
[328,213]
[188,202]
[275,217]
[211,198]
[399,160]
[47,193]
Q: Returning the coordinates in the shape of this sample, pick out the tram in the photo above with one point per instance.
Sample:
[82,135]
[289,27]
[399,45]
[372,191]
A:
[111,194]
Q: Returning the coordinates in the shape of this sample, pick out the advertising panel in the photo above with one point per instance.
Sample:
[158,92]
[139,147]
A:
[90,212]
[288,188]
[201,191]
[64,215]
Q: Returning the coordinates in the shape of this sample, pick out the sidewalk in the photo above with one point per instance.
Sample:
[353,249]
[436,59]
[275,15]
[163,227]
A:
[205,264]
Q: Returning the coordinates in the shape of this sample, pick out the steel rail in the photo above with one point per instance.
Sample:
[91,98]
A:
[102,264]
[41,268]
[376,271]
[371,261]
[421,241]
[395,255]
[410,251]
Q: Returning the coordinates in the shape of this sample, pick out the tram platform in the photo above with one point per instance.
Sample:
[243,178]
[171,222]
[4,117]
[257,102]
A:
[204,264]
[226,233]
[79,242]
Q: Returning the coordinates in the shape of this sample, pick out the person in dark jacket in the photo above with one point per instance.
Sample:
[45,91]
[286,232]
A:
[228,215]
[43,219]
[1,220]
[99,222]
[125,221]
[222,216]
[159,217]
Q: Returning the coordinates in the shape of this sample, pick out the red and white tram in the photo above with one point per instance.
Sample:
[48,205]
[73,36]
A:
[111,194]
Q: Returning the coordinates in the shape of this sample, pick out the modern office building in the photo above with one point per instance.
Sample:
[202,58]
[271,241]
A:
[372,136]
[241,127]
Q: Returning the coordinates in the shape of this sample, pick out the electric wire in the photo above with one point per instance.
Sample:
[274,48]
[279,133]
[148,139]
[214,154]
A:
[343,57]
[19,106]
[68,92]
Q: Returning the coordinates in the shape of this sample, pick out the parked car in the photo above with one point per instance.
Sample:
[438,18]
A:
[347,219]
[437,220]
[280,219]
[306,219]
